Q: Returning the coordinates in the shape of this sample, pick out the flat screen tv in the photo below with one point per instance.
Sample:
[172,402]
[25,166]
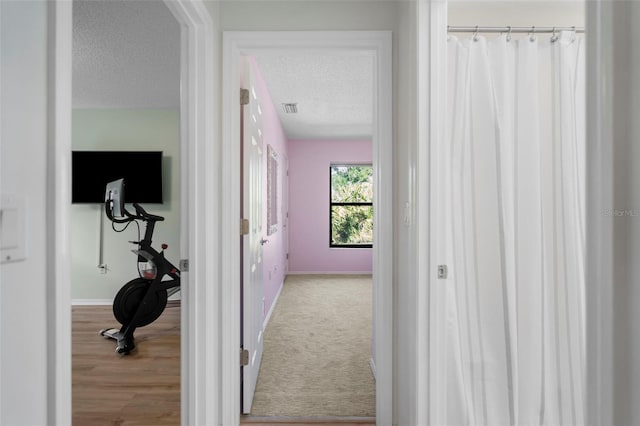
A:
[92,170]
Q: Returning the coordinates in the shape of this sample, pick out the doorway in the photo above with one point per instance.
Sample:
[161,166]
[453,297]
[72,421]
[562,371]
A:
[126,98]
[523,362]
[315,108]
[377,44]
[198,45]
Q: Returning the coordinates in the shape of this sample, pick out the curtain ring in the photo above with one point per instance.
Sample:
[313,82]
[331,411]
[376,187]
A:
[475,34]
[509,33]
[573,34]
[554,36]
[532,34]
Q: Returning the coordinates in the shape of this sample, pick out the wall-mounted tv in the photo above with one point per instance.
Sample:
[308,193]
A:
[92,170]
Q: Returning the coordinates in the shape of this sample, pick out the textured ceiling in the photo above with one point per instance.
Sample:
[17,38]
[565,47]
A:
[334,93]
[126,54]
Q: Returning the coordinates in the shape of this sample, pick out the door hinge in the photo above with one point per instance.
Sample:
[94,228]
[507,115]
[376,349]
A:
[442,271]
[244,357]
[244,226]
[244,96]
[184,265]
[287,256]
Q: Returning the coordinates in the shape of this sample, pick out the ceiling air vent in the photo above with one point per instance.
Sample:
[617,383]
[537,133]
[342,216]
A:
[291,108]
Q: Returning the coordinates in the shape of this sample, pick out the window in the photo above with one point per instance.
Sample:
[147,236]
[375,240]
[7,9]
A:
[351,205]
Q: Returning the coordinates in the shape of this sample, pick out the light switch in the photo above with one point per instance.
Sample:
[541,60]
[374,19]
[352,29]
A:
[10,233]
[12,228]
[407,214]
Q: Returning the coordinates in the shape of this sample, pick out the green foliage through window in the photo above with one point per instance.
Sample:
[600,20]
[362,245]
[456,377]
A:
[351,214]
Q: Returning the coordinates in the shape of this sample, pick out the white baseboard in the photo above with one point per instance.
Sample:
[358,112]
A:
[273,305]
[107,302]
[329,273]
[91,302]
[372,364]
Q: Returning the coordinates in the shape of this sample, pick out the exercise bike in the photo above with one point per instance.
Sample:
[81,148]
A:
[142,300]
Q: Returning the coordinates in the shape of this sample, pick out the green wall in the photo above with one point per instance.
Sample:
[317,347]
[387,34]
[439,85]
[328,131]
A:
[122,129]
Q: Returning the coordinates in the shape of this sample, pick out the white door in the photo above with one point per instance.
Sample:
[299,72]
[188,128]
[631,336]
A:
[252,286]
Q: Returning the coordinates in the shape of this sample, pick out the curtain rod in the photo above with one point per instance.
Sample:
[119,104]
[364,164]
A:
[512,30]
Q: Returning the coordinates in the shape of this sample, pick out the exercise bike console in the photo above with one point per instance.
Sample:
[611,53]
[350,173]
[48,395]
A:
[142,300]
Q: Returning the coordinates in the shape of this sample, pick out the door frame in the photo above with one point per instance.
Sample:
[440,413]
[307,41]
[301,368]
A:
[377,43]
[199,175]
[200,207]
[431,314]
[602,33]
[432,21]
[59,63]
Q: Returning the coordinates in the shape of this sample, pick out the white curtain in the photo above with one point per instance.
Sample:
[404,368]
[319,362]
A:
[516,171]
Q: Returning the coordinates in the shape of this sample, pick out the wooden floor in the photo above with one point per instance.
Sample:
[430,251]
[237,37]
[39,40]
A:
[143,388]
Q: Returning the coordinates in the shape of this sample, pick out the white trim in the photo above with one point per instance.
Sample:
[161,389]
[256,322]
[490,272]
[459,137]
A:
[230,258]
[430,359]
[383,203]
[372,365]
[200,336]
[58,264]
[273,306]
[1,363]
[436,319]
[91,302]
[330,273]
[599,387]
[109,302]
[200,194]
[599,263]
[377,43]
[1,115]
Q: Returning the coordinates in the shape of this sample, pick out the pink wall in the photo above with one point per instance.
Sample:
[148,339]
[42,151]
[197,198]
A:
[274,266]
[305,235]
[309,250]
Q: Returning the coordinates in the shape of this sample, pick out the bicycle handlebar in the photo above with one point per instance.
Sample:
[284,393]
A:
[141,214]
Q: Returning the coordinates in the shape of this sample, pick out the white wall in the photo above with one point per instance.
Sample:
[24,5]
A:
[23,159]
[122,129]
[517,13]
[308,15]
[23,377]
[23,147]
[614,210]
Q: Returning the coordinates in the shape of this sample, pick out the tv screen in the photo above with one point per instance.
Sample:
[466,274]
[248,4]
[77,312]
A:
[92,170]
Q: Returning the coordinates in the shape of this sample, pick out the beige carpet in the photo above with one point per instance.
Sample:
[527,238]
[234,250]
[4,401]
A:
[317,350]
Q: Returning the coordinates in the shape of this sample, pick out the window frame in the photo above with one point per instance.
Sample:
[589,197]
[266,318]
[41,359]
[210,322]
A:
[340,203]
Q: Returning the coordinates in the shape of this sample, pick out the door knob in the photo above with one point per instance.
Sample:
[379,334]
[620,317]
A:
[263,241]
